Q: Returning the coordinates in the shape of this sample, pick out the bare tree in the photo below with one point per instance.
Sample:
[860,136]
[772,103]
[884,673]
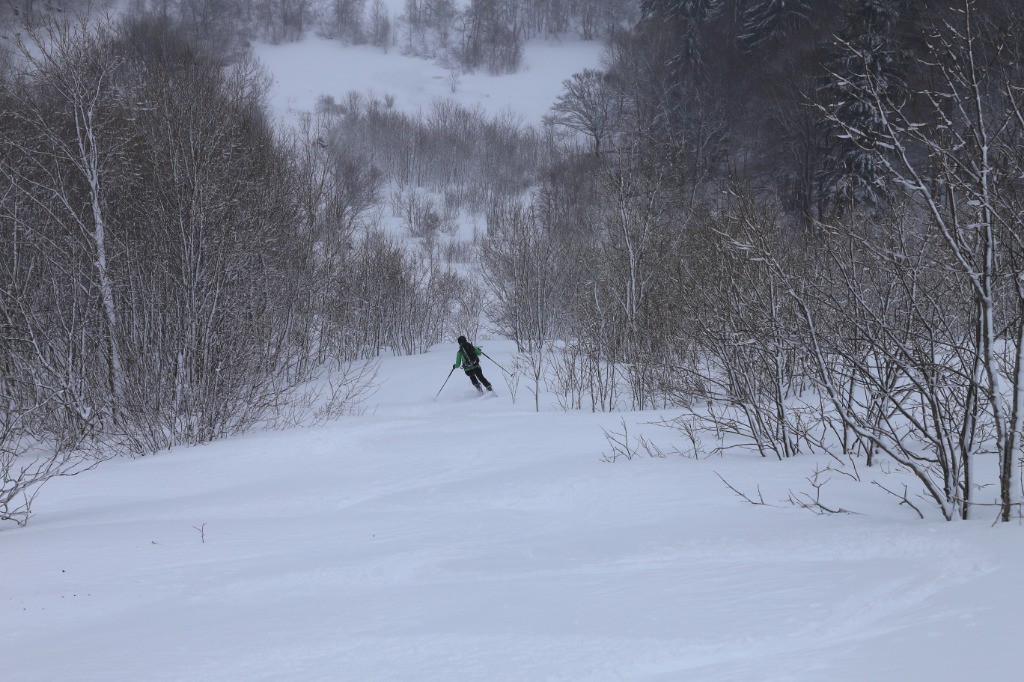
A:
[520,264]
[957,155]
[66,141]
[491,36]
[346,20]
[588,106]
[380,25]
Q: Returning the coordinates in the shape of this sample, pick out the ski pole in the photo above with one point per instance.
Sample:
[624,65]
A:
[494,361]
[445,382]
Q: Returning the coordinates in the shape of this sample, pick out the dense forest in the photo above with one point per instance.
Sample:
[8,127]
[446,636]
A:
[800,221]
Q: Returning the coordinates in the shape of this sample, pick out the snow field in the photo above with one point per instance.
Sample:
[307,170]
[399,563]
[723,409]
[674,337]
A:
[472,539]
[304,71]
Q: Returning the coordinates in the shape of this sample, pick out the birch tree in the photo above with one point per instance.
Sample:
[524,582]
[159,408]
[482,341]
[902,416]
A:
[66,141]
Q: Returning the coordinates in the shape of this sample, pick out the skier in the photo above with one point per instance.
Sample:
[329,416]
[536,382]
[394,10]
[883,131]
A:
[469,357]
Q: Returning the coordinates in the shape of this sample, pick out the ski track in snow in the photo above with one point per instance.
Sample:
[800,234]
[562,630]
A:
[477,540]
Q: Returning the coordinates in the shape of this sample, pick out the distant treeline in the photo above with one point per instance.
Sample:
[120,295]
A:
[486,34]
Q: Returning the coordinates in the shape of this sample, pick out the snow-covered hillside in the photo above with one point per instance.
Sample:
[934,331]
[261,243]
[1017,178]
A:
[302,72]
[473,539]
[469,538]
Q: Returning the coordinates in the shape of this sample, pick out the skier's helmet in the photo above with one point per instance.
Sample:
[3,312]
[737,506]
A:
[462,339]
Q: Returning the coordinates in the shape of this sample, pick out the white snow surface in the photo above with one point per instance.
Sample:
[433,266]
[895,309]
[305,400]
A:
[304,71]
[475,539]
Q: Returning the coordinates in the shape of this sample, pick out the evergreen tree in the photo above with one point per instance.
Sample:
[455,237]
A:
[679,9]
[868,59]
[766,21]
[685,19]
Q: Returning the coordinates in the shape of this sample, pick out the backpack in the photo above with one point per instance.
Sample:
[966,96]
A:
[472,359]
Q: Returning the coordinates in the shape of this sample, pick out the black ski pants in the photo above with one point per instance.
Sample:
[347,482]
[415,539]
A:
[476,375]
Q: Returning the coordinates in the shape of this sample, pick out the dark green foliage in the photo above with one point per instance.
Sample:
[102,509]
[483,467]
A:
[680,10]
[867,55]
[758,91]
[765,21]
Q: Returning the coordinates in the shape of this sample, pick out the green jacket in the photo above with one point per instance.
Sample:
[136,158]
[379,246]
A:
[467,364]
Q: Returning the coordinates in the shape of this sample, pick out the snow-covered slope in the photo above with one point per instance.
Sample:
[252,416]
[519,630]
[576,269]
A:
[473,539]
[302,72]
